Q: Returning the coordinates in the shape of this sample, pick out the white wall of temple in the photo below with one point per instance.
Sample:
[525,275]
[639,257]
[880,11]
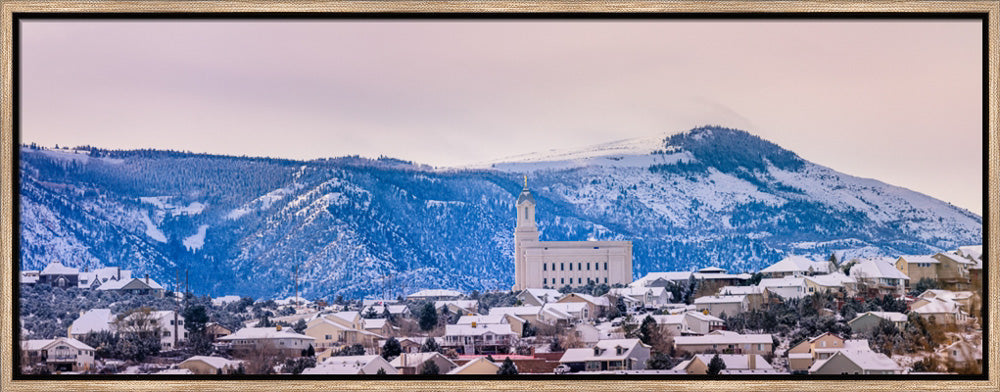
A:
[559,263]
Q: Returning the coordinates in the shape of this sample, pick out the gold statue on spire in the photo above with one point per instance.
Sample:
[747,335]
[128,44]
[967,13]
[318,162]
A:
[525,181]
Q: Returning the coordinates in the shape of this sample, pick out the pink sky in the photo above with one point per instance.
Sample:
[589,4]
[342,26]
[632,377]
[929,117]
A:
[896,101]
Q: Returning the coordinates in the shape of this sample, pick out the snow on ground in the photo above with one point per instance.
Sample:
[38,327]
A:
[264,202]
[163,203]
[196,241]
[151,230]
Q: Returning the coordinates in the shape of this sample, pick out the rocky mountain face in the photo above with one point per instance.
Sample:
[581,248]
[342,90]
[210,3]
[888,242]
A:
[359,227]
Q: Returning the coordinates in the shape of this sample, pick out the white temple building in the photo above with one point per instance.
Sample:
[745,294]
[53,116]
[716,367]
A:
[554,264]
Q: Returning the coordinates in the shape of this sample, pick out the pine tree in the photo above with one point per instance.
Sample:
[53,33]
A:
[391,349]
[428,317]
[507,368]
[430,345]
[430,367]
[716,365]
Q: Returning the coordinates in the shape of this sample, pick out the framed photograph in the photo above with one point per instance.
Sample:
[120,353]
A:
[411,195]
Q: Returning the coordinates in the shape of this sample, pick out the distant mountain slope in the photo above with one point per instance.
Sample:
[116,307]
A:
[709,196]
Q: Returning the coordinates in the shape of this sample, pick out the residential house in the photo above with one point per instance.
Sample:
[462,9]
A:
[699,323]
[962,354]
[434,295]
[530,314]
[216,331]
[538,297]
[398,311]
[596,306]
[57,275]
[787,288]
[516,323]
[463,307]
[608,355]
[332,331]
[671,324]
[565,313]
[135,286]
[210,365]
[797,266]
[29,277]
[941,311]
[380,327]
[357,364]
[255,339]
[479,365]
[481,339]
[725,342]
[663,279]
[757,296]
[865,322]
[171,328]
[953,271]
[877,277]
[735,364]
[802,355]
[968,301]
[717,305]
[841,285]
[855,362]
[94,320]
[647,297]
[58,355]
[411,363]
[918,267]
[93,280]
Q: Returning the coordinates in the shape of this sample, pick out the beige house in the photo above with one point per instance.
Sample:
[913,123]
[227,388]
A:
[528,313]
[717,305]
[949,269]
[855,362]
[727,342]
[616,354]
[58,355]
[329,333]
[803,355]
[700,323]
[538,297]
[968,301]
[796,266]
[837,283]
[757,296]
[735,364]
[257,339]
[479,365]
[647,297]
[596,306]
[942,312]
[210,365]
[878,277]
[408,363]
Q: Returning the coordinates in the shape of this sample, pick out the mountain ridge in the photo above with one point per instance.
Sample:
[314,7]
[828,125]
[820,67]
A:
[709,196]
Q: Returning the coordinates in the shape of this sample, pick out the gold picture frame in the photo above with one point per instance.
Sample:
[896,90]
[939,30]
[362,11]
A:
[8,193]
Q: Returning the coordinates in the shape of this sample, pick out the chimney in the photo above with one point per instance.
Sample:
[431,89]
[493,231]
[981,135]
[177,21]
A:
[147,279]
[119,273]
[753,361]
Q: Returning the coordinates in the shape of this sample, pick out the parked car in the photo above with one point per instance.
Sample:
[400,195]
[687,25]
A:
[561,369]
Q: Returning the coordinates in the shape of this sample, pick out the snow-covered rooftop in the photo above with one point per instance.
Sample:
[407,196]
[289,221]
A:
[56,268]
[94,320]
[265,333]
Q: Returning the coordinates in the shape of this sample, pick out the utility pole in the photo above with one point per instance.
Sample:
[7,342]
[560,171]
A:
[296,286]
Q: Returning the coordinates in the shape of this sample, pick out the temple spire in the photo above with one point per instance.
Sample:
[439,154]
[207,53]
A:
[525,181]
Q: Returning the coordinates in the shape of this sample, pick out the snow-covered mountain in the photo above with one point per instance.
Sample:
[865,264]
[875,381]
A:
[708,196]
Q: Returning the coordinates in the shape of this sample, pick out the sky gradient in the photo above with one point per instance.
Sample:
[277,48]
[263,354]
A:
[896,101]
